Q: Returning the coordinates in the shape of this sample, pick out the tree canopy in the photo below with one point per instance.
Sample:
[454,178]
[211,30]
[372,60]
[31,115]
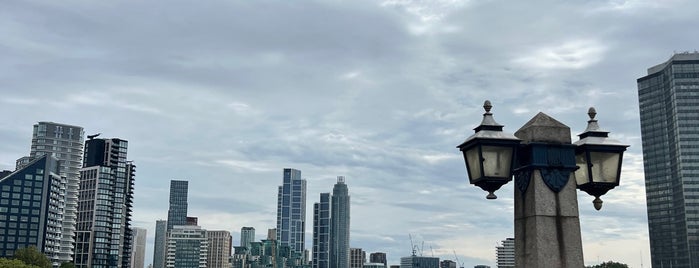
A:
[67,265]
[609,264]
[32,256]
[14,263]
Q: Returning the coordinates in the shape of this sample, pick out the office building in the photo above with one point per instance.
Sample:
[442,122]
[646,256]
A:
[160,244]
[291,212]
[187,247]
[177,211]
[31,208]
[105,200]
[340,225]
[419,262]
[374,265]
[247,235]
[272,234]
[65,142]
[219,251]
[321,232]
[357,258]
[378,257]
[138,255]
[447,264]
[505,253]
[669,111]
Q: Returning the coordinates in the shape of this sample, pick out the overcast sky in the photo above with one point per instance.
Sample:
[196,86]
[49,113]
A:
[226,94]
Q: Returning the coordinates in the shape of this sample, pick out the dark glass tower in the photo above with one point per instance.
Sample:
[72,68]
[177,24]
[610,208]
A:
[669,110]
[31,208]
[291,212]
[321,232]
[177,213]
[340,225]
[105,200]
[159,245]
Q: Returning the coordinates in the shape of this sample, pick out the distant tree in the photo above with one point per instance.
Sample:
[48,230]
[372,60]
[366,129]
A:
[14,263]
[609,264]
[67,265]
[31,255]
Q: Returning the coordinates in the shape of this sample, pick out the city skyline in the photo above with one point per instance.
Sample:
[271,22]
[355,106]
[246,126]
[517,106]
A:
[228,94]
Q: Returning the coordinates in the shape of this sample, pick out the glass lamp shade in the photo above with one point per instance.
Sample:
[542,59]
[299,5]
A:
[489,162]
[599,169]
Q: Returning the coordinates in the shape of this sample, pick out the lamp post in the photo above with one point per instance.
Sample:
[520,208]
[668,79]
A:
[542,160]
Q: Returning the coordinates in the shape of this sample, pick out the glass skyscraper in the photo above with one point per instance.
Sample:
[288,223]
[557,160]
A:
[321,232]
[160,244]
[291,212]
[247,236]
[177,212]
[669,110]
[340,225]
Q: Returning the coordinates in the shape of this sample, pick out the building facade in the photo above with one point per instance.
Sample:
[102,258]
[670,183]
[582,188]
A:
[105,200]
[187,247]
[65,142]
[505,253]
[669,111]
[138,256]
[247,235]
[321,232]
[219,252]
[378,257]
[177,211]
[419,262]
[160,244]
[340,225]
[32,199]
[357,258]
[447,264]
[291,212]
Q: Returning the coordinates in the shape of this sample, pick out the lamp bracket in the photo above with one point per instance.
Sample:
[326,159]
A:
[555,162]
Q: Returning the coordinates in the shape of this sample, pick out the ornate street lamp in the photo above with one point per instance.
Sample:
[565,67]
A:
[489,154]
[598,159]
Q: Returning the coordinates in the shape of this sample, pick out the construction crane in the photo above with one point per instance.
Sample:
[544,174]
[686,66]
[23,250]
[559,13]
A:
[460,264]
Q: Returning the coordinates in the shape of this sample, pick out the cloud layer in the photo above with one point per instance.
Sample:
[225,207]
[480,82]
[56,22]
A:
[227,93]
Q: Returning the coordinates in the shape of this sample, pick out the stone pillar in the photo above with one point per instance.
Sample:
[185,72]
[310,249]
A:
[547,226]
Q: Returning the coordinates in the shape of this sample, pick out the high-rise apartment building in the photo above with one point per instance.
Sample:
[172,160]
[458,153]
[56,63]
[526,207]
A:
[321,232]
[340,225]
[177,212]
[187,247]
[669,111]
[31,208]
[291,212]
[160,244]
[357,258]
[138,256]
[219,251]
[103,233]
[247,235]
[65,142]
[505,253]
[378,257]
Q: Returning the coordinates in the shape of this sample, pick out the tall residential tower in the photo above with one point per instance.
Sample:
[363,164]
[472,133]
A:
[669,109]
[291,212]
[340,225]
[321,232]
[65,142]
[103,233]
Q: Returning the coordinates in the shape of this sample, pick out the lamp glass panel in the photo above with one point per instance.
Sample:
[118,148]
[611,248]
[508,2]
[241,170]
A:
[497,161]
[581,175]
[605,166]
[474,165]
